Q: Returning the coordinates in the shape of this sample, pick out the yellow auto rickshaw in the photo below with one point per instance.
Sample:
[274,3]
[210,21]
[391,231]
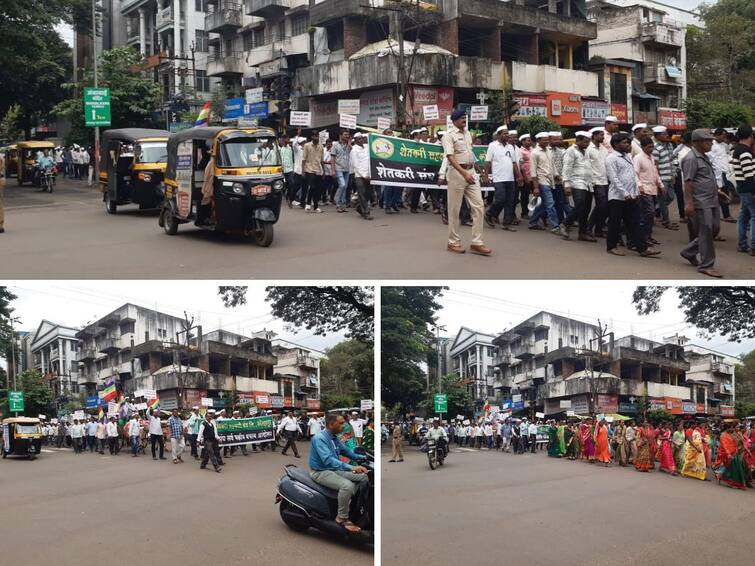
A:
[132,165]
[22,436]
[26,160]
[10,153]
[247,181]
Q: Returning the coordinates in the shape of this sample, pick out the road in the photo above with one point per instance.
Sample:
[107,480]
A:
[68,235]
[87,509]
[491,508]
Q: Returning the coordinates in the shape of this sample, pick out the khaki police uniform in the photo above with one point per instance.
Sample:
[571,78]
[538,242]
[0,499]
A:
[2,190]
[397,452]
[459,144]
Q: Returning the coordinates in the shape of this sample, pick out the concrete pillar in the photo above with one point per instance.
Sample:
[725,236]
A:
[448,36]
[61,363]
[491,45]
[143,31]
[227,366]
[534,55]
[176,37]
[354,35]
[567,7]
[480,377]
[555,43]
[570,56]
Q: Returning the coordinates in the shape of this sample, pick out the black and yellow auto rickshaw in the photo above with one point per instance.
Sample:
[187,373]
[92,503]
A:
[132,165]
[22,436]
[247,182]
[26,160]
[10,155]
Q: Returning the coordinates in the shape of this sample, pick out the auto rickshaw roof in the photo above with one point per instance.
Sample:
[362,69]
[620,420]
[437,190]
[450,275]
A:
[32,144]
[21,420]
[133,135]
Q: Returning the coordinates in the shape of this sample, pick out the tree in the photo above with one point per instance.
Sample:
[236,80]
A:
[713,310]
[348,369]
[323,310]
[744,379]
[705,113]
[535,124]
[38,397]
[458,398]
[11,127]
[330,401]
[217,103]
[406,313]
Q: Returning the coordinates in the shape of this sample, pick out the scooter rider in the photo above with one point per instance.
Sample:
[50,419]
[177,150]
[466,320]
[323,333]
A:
[438,434]
[330,471]
[44,160]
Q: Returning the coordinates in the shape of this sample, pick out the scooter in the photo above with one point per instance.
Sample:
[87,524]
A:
[304,503]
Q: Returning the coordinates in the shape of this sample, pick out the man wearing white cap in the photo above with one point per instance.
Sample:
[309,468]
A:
[638,130]
[663,153]
[611,126]
[557,155]
[525,155]
[577,174]
[597,154]
[541,166]
[500,160]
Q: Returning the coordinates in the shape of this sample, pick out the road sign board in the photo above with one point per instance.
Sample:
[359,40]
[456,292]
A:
[97,106]
[16,401]
[441,403]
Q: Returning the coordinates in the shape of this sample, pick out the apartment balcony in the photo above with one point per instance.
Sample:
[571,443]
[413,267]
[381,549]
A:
[543,78]
[87,355]
[725,389]
[219,65]
[666,75]
[722,368]
[268,8]
[611,386]
[541,347]
[165,19]
[87,378]
[307,362]
[526,350]
[651,358]
[660,34]
[128,6]
[501,359]
[226,17]
[666,390]
[108,345]
[248,384]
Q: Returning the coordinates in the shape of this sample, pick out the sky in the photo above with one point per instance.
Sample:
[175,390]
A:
[492,307]
[78,303]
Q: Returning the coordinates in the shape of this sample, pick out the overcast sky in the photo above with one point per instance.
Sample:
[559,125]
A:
[495,306]
[78,303]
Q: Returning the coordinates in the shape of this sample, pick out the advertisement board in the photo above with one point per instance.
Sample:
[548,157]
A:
[607,403]
[594,112]
[565,108]
[531,105]
[672,118]
[184,176]
[419,96]
[620,111]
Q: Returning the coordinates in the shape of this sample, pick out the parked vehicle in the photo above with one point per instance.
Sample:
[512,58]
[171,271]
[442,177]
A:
[22,436]
[26,160]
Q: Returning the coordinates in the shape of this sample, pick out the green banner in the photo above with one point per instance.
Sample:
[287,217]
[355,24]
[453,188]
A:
[405,163]
[245,431]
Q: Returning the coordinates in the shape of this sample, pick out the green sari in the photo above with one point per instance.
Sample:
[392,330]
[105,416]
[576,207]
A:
[554,449]
[561,440]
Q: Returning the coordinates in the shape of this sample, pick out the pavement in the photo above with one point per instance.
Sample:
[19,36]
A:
[88,509]
[68,235]
[487,507]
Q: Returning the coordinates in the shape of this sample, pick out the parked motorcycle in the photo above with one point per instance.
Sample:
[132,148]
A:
[304,503]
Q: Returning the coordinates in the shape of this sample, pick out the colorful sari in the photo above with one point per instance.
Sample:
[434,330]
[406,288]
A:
[729,465]
[668,464]
[561,440]
[678,441]
[588,443]
[622,447]
[643,461]
[553,446]
[347,437]
[694,458]
[706,449]
[602,451]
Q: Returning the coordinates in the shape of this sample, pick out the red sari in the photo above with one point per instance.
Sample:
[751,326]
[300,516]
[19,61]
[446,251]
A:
[602,452]
[729,466]
[667,453]
[644,460]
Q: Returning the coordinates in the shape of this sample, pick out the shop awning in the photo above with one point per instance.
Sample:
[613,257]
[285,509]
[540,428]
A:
[645,95]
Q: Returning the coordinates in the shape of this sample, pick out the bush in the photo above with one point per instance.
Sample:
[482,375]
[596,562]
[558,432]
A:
[706,113]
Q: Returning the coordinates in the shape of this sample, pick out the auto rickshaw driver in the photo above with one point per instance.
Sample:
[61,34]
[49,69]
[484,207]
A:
[205,206]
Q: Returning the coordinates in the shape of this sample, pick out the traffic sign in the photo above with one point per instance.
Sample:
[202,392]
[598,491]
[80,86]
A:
[441,403]
[16,401]
[97,106]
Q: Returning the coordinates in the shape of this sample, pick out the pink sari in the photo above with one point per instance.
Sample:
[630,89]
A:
[667,453]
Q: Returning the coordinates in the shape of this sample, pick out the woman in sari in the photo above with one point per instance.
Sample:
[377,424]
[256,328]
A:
[694,457]
[561,439]
[571,441]
[576,441]
[645,441]
[587,440]
[729,466]
[553,447]
[707,441]
[619,437]
[347,437]
[678,445]
[602,451]
[743,449]
[668,464]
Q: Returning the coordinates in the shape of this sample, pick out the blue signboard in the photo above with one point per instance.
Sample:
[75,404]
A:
[518,405]
[94,401]
[234,108]
[505,405]
[256,110]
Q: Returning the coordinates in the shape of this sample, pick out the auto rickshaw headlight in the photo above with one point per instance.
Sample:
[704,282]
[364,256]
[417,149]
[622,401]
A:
[238,189]
[278,185]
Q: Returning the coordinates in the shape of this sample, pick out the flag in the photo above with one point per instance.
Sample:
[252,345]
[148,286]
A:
[486,408]
[154,404]
[204,116]
[109,393]
[101,413]
[122,400]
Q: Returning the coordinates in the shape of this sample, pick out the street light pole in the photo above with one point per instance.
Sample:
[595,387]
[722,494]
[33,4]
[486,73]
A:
[94,60]
[13,356]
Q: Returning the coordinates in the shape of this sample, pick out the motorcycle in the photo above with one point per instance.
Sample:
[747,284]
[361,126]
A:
[436,452]
[304,503]
[47,179]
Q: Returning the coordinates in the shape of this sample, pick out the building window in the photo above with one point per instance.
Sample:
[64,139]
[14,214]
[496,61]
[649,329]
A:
[200,40]
[258,37]
[203,81]
[127,328]
[200,5]
[146,335]
[618,88]
[299,24]
[248,41]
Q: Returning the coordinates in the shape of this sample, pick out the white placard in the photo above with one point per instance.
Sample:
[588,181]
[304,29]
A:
[141,406]
[138,393]
[253,95]
[112,408]
[516,398]
[540,415]
[430,112]
[570,413]
[78,415]
[300,118]
[565,404]
[149,394]
[383,124]
[348,121]
[324,136]
[478,113]
[207,401]
[367,405]
[349,106]
[41,417]
[609,419]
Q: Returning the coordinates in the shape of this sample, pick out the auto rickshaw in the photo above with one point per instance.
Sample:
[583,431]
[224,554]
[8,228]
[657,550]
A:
[26,160]
[247,181]
[10,153]
[22,436]
[132,165]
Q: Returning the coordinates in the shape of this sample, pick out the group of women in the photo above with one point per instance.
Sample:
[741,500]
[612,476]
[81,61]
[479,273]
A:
[686,449]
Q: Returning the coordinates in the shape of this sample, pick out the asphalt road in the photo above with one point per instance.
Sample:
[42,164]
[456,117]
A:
[491,508]
[68,235]
[92,510]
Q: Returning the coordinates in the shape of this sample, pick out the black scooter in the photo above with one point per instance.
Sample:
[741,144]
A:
[304,503]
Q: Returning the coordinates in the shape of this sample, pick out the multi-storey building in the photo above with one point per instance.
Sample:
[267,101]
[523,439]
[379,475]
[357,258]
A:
[53,351]
[298,370]
[644,36]
[472,356]
[712,377]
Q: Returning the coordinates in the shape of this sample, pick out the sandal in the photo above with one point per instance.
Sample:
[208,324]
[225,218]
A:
[349,526]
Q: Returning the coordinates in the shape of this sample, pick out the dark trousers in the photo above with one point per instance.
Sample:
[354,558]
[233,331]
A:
[414,198]
[290,441]
[725,212]
[111,444]
[193,442]
[704,227]
[313,189]
[91,440]
[679,191]
[504,200]
[581,211]
[210,453]
[157,439]
[560,203]
[524,199]
[533,443]
[365,194]
[597,220]
[292,185]
[647,216]
[523,443]
[628,212]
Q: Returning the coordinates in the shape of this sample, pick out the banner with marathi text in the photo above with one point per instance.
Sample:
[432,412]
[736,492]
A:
[244,431]
[396,162]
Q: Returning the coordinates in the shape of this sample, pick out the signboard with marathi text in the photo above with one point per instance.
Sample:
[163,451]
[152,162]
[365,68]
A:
[530,105]
[254,430]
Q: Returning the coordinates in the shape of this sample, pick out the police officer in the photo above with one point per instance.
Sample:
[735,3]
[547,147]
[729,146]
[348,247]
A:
[457,147]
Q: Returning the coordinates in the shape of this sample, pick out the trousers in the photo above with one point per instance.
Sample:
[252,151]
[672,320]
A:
[398,454]
[177,446]
[346,483]
[157,439]
[458,190]
[628,212]
[705,225]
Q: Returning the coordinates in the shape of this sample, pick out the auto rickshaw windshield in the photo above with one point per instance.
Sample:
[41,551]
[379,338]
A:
[248,152]
[27,429]
[152,152]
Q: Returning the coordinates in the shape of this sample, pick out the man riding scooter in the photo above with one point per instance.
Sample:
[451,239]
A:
[44,160]
[330,471]
[438,434]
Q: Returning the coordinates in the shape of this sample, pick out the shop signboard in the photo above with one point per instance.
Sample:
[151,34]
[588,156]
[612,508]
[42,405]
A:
[419,96]
[628,408]
[580,404]
[689,408]
[673,405]
[518,405]
[621,113]
[254,430]
[375,105]
[276,401]
[531,105]
[193,397]
[234,109]
[700,408]
[313,404]
[608,403]
[672,118]
[262,400]
[727,411]
[565,108]
[656,405]
[349,106]
[594,112]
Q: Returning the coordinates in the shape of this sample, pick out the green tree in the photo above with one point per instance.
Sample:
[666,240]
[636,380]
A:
[744,381]
[713,310]
[11,127]
[659,416]
[348,368]
[217,103]
[458,398]
[406,313]
[38,397]
[330,401]
[705,113]
[535,124]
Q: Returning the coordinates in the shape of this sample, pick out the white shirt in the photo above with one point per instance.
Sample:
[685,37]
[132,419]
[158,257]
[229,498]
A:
[154,425]
[357,425]
[501,158]
[360,161]
[314,426]
[298,157]
[532,429]
[133,427]
[597,156]
[488,430]
[577,170]
[112,430]
[77,431]
[288,424]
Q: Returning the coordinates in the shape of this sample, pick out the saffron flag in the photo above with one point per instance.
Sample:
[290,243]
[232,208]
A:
[204,116]
[101,413]
[486,408]
[154,403]
[109,393]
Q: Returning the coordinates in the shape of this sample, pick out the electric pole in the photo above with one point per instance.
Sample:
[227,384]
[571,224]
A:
[94,60]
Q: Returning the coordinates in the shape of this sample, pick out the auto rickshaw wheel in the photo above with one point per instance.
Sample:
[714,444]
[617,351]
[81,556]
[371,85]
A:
[170,224]
[263,236]
[110,206]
